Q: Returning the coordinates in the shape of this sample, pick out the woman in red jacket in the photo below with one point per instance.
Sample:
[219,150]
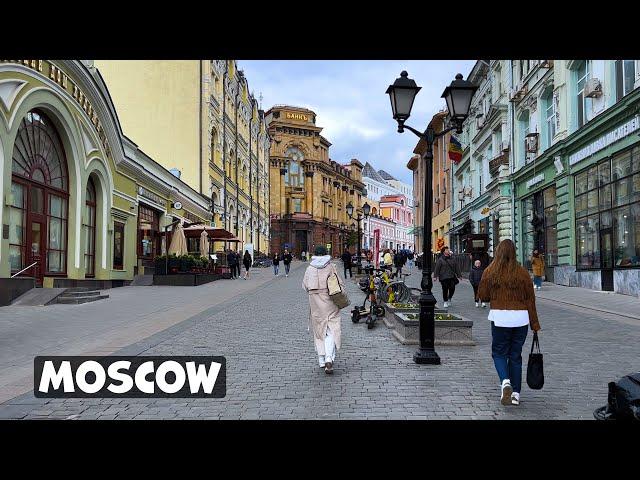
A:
[507,285]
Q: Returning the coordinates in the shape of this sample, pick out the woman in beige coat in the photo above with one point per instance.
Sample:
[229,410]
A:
[324,318]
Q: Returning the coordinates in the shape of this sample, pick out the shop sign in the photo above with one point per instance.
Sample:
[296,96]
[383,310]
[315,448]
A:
[59,77]
[606,140]
[535,180]
[296,116]
[143,192]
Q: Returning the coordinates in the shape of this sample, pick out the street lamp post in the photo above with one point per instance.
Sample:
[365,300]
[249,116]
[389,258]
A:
[366,209]
[458,96]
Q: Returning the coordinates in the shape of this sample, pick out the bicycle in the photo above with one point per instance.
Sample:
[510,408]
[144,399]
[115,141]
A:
[369,285]
[393,291]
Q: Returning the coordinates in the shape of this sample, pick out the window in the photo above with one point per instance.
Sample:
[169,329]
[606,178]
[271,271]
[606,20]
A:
[582,75]
[549,112]
[118,245]
[293,177]
[608,195]
[625,77]
[540,226]
[148,231]
[297,204]
[17,237]
[90,230]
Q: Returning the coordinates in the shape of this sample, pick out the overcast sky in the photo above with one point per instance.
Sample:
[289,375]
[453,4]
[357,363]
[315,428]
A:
[349,100]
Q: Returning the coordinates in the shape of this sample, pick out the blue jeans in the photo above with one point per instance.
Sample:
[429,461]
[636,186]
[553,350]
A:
[275,269]
[506,350]
[287,266]
[537,281]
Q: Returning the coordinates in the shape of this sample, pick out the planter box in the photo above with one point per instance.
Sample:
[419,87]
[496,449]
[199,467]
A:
[185,279]
[448,332]
[390,311]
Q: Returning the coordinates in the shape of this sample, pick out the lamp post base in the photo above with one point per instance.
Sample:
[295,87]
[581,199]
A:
[426,357]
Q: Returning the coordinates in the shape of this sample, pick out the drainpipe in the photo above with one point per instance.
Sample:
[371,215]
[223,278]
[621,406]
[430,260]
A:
[512,153]
[250,172]
[200,121]
[236,150]
[224,141]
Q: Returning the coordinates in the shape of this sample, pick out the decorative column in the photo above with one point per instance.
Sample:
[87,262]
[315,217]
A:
[308,187]
[283,197]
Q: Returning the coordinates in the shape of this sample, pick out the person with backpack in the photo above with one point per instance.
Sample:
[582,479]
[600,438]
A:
[246,261]
[475,275]
[507,286]
[346,263]
[449,273]
[276,263]
[324,315]
[286,259]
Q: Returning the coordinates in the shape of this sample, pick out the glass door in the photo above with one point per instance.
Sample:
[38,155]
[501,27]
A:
[606,258]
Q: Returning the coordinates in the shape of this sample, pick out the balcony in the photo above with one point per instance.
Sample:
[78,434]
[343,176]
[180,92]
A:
[502,159]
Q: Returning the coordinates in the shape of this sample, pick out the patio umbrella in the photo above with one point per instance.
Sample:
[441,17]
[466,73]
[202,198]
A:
[204,243]
[178,242]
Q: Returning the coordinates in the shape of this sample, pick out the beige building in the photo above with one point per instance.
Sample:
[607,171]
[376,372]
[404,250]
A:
[441,208]
[199,119]
[309,191]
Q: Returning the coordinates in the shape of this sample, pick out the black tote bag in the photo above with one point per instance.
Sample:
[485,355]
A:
[535,373]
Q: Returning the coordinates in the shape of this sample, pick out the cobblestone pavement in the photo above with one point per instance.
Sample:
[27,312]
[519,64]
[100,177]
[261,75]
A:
[273,372]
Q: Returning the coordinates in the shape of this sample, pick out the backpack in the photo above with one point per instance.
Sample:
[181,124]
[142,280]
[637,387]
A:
[623,402]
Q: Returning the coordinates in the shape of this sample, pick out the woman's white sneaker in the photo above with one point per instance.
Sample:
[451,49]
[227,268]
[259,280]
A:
[484,305]
[515,398]
[507,390]
[477,304]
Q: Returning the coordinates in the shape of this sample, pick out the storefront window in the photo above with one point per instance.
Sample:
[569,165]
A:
[118,245]
[540,226]
[57,234]
[17,240]
[148,232]
[616,185]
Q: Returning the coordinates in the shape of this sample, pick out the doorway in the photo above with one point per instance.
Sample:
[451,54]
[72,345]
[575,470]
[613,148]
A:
[301,242]
[606,259]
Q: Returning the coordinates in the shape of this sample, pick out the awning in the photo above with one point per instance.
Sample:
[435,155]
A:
[455,230]
[212,232]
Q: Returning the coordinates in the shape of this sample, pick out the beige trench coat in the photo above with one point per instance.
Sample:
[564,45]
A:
[323,311]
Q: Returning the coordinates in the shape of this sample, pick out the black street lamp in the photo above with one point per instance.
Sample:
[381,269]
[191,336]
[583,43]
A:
[458,96]
[366,209]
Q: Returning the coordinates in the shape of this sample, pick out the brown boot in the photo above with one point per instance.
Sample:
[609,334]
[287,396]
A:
[328,368]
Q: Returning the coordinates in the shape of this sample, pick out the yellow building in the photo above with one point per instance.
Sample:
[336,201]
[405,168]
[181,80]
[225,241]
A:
[309,191]
[200,118]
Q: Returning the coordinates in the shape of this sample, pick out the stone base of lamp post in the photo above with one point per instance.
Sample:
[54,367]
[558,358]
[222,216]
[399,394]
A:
[426,354]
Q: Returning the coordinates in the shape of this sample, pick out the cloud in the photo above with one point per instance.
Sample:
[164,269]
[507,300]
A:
[349,100]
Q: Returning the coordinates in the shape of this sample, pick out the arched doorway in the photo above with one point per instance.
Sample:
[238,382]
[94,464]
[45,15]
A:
[39,199]
[90,230]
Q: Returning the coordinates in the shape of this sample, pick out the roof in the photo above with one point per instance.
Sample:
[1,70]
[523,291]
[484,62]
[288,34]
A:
[370,172]
[386,175]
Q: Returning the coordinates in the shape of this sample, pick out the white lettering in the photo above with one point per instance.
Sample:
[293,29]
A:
[142,383]
[161,376]
[81,376]
[114,373]
[202,377]
[50,376]
[606,140]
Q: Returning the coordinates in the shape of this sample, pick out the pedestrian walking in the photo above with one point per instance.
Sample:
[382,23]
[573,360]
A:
[507,286]
[398,261]
[346,263]
[276,263]
[537,265]
[449,273]
[324,315]
[387,259]
[236,264]
[246,261]
[475,275]
[231,262]
[286,259]
[303,256]
[410,258]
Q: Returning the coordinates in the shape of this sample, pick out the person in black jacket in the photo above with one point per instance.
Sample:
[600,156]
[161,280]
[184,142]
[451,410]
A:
[276,263]
[286,259]
[346,261]
[398,261]
[475,275]
[448,271]
[231,262]
[246,261]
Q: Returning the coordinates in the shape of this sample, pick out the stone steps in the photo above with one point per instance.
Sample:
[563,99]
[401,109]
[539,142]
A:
[78,295]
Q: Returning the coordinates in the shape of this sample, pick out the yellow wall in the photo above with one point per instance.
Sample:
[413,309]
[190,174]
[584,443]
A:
[158,105]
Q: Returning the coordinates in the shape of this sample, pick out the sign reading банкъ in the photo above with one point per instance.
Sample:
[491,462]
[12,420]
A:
[296,116]
[606,140]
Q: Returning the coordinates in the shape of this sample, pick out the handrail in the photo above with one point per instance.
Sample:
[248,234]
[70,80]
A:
[34,263]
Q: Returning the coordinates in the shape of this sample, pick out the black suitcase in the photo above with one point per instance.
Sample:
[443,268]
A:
[623,400]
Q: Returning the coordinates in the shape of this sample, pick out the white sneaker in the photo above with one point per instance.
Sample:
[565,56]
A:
[507,390]
[484,305]
[477,304]
[445,305]
[515,398]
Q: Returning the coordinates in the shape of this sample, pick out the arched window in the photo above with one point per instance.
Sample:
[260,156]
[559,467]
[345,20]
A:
[293,177]
[38,211]
[215,157]
[90,230]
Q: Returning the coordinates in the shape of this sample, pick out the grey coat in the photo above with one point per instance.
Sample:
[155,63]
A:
[446,269]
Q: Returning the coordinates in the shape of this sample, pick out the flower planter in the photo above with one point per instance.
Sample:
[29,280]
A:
[450,329]
[393,308]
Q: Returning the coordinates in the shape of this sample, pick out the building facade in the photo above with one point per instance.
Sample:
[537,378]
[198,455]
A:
[441,185]
[209,131]
[481,185]
[82,202]
[396,208]
[309,191]
[386,230]
[577,190]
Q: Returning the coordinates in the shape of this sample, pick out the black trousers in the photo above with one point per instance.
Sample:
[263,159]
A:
[347,268]
[235,270]
[475,292]
[448,288]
